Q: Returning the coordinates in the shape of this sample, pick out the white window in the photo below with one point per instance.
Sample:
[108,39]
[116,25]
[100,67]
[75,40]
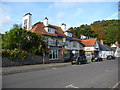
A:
[74,44]
[53,55]
[51,30]
[51,41]
[67,43]
[68,34]
[25,22]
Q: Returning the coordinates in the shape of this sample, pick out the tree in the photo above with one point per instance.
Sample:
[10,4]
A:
[84,30]
[23,40]
[107,30]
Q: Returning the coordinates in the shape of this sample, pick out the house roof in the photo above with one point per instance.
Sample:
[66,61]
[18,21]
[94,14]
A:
[104,48]
[113,48]
[89,42]
[39,28]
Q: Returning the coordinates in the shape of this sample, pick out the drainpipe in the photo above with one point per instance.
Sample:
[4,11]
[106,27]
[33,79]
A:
[43,58]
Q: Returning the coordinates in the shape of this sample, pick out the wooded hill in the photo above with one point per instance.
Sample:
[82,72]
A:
[107,30]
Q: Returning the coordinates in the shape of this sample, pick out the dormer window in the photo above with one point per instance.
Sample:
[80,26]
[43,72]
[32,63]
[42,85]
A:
[68,34]
[74,44]
[51,30]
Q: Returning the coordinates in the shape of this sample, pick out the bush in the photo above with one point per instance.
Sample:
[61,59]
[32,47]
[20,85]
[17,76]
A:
[15,54]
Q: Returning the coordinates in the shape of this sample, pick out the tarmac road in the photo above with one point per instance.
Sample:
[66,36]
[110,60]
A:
[94,75]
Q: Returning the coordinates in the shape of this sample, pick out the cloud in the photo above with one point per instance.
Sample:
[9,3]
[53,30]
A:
[78,11]
[5,16]
[60,15]
[113,16]
[58,19]
[61,5]
[5,20]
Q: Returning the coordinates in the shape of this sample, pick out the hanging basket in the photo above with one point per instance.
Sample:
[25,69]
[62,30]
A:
[64,50]
[48,51]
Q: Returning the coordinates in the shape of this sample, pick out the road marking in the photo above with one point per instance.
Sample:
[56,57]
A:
[54,68]
[71,86]
[108,71]
[116,84]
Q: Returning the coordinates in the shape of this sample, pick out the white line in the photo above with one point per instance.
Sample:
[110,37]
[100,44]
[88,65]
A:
[71,85]
[116,84]
[54,68]
[74,87]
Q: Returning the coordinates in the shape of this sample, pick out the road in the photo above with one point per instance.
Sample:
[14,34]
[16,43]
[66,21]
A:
[94,75]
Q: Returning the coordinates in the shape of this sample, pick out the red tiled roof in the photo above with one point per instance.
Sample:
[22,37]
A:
[89,42]
[76,39]
[39,28]
[58,30]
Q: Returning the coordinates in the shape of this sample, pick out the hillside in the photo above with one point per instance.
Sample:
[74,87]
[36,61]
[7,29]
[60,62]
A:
[107,30]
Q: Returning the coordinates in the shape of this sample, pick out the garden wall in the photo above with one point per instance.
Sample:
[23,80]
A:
[30,60]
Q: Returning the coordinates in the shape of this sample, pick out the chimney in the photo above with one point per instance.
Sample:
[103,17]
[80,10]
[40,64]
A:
[116,43]
[27,21]
[45,22]
[63,26]
[101,42]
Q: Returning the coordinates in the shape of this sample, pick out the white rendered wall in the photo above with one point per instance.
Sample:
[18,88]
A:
[29,22]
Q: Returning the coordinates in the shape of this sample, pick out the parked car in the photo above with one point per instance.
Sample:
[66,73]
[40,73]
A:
[96,59]
[81,60]
[109,57]
[78,60]
[74,60]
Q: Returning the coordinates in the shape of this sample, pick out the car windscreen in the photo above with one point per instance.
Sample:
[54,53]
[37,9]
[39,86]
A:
[74,58]
[80,58]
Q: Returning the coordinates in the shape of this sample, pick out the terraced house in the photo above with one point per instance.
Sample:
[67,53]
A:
[57,38]
[91,47]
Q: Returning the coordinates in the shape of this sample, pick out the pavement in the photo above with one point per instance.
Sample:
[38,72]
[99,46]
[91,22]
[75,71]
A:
[27,68]
[93,75]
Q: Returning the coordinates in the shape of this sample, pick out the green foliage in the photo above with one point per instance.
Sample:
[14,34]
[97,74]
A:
[24,40]
[15,54]
[107,30]
[83,30]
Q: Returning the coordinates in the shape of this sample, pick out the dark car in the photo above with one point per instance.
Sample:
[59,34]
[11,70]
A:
[74,60]
[81,60]
[96,59]
[109,57]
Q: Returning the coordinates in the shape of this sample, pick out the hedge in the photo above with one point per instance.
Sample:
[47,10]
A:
[15,54]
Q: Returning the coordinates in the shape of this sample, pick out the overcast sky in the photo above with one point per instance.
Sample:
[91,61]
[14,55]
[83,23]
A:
[71,13]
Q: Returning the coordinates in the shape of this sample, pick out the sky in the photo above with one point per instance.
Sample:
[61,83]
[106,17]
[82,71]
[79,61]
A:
[73,14]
